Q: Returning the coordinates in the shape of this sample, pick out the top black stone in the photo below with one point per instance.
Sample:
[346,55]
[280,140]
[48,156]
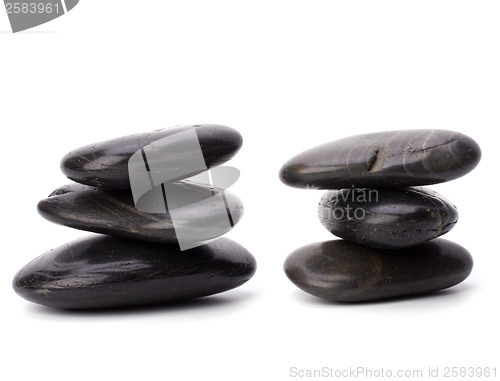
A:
[384,159]
[105,164]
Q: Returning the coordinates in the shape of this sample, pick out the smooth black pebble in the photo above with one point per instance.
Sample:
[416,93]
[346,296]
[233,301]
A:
[105,164]
[113,212]
[349,272]
[387,218]
[103,272]
[384,159]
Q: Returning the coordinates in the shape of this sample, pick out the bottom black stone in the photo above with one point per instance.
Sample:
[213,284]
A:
[103,272]
[349,272]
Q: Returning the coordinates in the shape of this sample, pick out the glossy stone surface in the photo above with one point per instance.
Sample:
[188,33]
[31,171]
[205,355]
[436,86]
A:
[113,212]
[349,272]
[387,218]
[105,164]
[384,159]
[103,272]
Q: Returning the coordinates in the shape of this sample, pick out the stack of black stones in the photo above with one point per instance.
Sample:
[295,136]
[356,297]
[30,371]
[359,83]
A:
[388,222]
[137,259]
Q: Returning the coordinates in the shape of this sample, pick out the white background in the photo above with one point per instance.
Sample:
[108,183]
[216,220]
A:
[288,75]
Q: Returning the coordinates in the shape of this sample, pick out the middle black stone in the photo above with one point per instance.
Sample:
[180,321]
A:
[387,218]
[113,212]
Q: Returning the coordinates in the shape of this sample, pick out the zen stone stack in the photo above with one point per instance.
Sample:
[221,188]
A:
[389,223]
[151,197]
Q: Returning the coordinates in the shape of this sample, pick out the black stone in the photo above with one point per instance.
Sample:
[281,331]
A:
[103,272]
[105,164]
[384,159]
[113,212]
[387,218]
[349,272]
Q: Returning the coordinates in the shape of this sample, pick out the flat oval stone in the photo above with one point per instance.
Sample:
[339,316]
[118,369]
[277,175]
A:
[105,164]
[384,159]
[113,212]
[103,272]
[387,218]
[349,272]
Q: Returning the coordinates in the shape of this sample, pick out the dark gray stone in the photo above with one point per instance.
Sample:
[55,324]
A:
[387,218]
[103,272]
[384,159]
[113,212]
[349,272]
[105,164]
